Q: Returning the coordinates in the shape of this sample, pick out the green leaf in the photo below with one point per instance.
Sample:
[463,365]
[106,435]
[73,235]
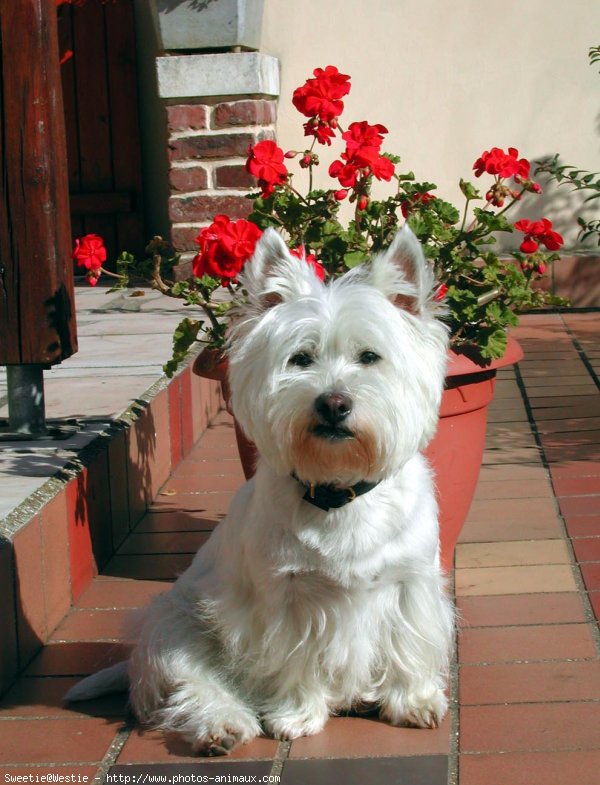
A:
[468,190]
[493,344]
[354,258]
[184,336]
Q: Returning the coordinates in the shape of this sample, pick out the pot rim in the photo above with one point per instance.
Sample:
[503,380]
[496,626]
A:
[461,365]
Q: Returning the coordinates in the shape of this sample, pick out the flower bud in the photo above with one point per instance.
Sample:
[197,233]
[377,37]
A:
[291,154]
[306,161]
[362,203]
[341,194]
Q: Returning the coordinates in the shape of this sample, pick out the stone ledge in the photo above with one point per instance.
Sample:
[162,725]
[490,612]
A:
[60,537]
[66,507]
[228,74]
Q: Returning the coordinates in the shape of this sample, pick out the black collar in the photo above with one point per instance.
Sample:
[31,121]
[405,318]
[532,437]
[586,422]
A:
[328,497]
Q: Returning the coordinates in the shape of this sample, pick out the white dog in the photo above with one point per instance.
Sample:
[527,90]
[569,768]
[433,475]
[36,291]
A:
[322,589]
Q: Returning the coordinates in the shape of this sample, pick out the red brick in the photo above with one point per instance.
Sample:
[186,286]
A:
[210,146]
[258,112]
[79,740]
[29,576]
[532,682]
[184,239]
[144,746]
[580,505]
[591,575]
[587,549]
[233,176]
[8,622]
[551,768]
[202,209]
[175,422]
[184,116]
[535,726]
[520,609]
[583,525]
[55,558]
[188,178]
[497,644]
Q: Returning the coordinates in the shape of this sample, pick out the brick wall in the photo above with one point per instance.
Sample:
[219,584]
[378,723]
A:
[208,145]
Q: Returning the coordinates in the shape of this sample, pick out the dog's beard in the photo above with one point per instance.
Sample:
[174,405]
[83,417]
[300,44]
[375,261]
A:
[338,455]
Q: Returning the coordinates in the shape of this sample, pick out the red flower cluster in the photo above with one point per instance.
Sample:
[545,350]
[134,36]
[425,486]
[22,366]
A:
[311,259]
[320,99]
[90,253]
[440,293]
[497,162]
[538,233]
[225,246]
[362,156]
[265,162]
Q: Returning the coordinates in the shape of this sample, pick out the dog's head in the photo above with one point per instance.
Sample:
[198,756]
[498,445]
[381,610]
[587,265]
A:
[338,382]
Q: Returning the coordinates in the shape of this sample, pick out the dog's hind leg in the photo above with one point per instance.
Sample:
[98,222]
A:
[177,685]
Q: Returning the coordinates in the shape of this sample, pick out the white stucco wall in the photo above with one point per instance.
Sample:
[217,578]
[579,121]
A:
[451,79]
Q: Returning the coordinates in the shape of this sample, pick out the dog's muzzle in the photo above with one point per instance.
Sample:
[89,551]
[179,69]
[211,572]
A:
[332,409]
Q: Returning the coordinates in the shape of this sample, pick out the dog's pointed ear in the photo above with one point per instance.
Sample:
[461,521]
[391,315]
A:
[403,273]
[273,274]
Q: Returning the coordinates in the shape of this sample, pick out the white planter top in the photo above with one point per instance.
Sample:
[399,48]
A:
[206,24]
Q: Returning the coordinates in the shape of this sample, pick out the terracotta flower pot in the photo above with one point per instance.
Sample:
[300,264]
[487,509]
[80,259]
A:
[456,450]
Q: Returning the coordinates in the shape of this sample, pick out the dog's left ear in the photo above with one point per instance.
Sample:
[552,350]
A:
[273,275]
[403,274]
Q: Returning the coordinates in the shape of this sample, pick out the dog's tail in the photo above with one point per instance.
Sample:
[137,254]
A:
[113,679]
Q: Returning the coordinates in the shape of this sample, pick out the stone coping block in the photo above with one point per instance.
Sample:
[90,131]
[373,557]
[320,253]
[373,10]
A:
[226,74]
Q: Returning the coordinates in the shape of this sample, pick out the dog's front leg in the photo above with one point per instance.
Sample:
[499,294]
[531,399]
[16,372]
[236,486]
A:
[301,711]
[413,691]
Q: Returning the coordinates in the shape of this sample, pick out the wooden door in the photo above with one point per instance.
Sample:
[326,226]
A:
[100,98]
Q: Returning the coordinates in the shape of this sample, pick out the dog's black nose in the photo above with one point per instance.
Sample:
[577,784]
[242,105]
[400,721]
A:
[333,407]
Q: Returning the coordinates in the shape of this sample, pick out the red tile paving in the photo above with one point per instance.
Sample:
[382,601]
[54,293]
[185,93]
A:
[528,673]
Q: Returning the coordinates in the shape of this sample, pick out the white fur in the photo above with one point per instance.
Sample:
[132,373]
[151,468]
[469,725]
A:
[289,613]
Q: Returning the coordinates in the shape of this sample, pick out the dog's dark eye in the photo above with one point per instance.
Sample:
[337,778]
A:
[302,360]
[368,358]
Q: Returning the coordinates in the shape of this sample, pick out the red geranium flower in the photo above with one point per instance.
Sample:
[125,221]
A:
[347,174]
[265,162]
[225,246]
[323,132]
[440,293]
[89,252]
[497,162]
[320,97]
[299,253]
[363,143]
[538,233]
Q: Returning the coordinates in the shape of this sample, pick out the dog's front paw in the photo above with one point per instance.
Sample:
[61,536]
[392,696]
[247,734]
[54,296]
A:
[220,743]
[415,710]
[221,736]
[288,726]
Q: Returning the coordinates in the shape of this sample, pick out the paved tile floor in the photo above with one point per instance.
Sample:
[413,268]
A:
[526,687]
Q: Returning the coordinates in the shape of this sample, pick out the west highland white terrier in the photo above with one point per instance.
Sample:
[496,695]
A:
[321,590]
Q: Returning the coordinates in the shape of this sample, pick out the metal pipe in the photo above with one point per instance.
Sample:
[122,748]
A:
[26,404]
